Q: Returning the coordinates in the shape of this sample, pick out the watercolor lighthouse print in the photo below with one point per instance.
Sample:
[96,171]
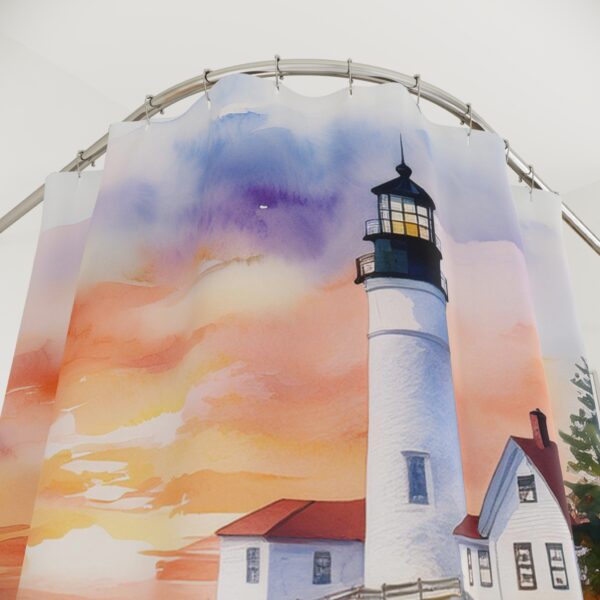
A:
[412,524]
[415,490]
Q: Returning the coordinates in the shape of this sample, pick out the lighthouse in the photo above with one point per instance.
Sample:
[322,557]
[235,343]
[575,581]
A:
[415,489]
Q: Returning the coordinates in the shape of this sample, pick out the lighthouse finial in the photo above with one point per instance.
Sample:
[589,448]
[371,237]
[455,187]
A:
[402,150]
[403,169]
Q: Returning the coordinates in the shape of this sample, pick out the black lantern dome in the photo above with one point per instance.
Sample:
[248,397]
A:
[406,245]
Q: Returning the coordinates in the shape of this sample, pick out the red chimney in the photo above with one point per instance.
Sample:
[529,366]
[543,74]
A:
[539,428]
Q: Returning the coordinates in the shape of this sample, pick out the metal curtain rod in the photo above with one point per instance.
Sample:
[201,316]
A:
[279,68]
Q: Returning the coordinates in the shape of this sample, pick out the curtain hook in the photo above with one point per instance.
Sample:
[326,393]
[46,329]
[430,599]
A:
[278,75]
[507,149]
[81,159]
[531,181]
[469,114]
[206,72]
[147,105]
[148,100]
[418,86]
[349,61]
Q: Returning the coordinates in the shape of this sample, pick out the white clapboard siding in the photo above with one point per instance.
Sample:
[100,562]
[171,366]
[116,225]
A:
[286,568]
[538,523]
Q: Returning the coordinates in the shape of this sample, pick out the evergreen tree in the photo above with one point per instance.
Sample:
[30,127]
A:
[584,443]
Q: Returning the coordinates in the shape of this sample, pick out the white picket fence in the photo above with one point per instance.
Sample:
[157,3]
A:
[422,589]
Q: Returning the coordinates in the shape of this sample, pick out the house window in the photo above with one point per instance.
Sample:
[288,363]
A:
[470,566]
[485,568]
[417,479]
[527,491]
[558,569]
[525,568]
[252,565]
[322,568]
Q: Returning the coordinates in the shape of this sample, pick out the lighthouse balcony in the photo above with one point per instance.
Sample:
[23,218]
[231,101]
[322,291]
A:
[385,227]
[444,284]
[366,266]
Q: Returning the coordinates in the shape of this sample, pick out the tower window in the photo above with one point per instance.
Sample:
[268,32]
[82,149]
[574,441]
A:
[527,491]
[558,569]
[322,568]
[525,568]
[417,478]
[252,565]
[485,568]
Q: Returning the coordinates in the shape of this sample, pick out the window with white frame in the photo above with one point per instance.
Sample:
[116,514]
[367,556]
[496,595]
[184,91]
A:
[322,568]
[485,568]
[527,491]
[525,567]
[470,566]
[558,569]
[252,565]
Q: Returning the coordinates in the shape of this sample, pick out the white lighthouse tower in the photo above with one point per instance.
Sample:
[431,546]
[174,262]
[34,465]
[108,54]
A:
[415,490]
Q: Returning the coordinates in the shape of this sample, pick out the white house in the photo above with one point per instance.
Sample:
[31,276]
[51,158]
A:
[293,549]
[521,546]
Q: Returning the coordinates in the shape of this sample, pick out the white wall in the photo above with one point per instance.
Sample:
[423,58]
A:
[411,409]
[68,68]
[538,523]
[232,583]
[286,568]
[476,591]
[291,568]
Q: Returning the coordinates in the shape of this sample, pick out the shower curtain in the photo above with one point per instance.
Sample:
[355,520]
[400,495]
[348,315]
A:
[301,346]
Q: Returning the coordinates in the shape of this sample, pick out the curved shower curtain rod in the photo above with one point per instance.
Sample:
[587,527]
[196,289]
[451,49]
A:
[280,68]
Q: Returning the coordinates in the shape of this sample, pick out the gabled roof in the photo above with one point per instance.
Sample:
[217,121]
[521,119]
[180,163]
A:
[468,527]
[306,519]
[547,462]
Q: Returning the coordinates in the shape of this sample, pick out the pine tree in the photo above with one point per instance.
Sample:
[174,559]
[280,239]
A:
[584,443]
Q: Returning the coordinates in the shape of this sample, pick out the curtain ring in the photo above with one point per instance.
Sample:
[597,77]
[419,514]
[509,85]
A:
[149,99]
[469,115]
[278,75]
[81,159]
[531,181]
[205,75]
[350,75]
[418,86]
[147,105]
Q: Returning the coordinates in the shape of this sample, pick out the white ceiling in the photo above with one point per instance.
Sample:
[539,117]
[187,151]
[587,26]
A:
[68,68]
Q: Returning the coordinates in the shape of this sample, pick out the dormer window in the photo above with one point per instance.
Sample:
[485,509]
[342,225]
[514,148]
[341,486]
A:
[527,491]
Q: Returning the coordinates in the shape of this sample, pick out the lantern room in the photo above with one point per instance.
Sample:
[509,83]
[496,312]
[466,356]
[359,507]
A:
[404,215]
[403,234]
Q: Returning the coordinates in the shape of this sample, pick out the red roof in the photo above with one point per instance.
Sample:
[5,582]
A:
[547,462]
[468,527]
[308,519]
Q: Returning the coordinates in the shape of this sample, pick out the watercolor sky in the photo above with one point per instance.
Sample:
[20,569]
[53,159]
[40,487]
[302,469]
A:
[217,354]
